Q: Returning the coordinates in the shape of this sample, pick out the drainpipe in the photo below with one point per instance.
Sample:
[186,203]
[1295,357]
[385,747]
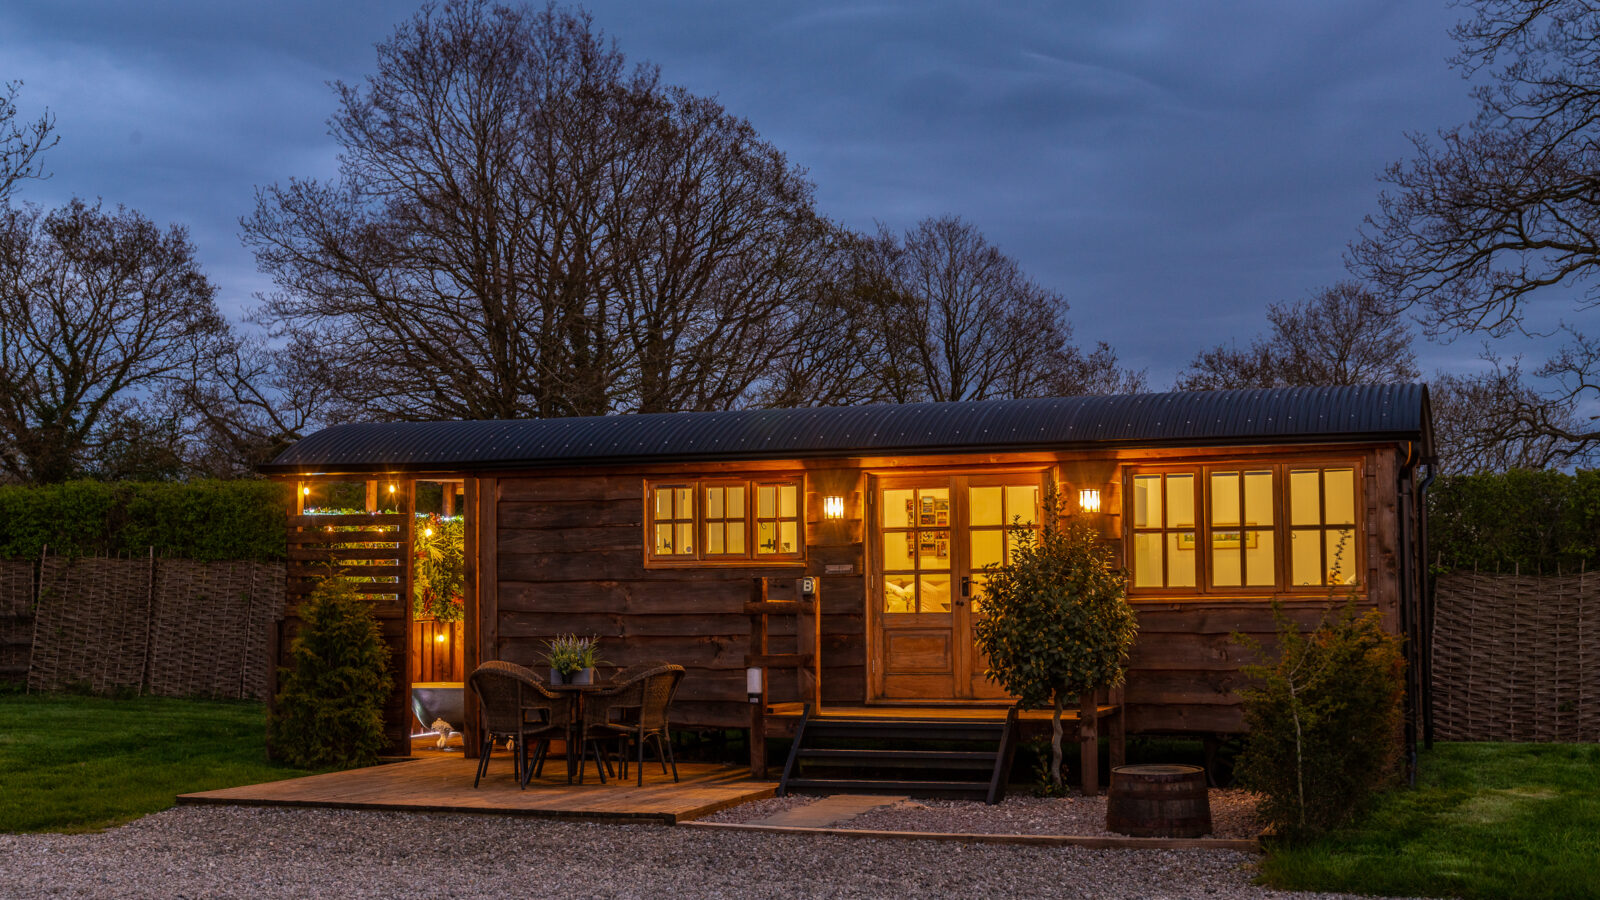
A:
[1427,599]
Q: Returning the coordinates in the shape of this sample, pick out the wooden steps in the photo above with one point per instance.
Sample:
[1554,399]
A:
[928,756]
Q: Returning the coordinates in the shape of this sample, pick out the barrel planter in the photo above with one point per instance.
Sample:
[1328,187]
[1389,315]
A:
[1158,801]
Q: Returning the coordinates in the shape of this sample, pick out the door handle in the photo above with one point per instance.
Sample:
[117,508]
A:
[966,586]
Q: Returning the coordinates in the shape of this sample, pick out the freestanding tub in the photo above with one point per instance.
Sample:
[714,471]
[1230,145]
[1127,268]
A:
[432,700]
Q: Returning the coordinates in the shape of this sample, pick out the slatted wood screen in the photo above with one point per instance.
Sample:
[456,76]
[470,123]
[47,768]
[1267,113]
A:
[373,549]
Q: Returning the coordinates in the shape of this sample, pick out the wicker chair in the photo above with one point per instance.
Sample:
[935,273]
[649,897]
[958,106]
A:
[508,694]
[551,717]
[636,710]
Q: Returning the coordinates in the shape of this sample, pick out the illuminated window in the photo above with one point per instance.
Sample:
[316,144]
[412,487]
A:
[992,510]
[1322,532]
[1242,553]
[916,550]
[1164,530]
[724,520]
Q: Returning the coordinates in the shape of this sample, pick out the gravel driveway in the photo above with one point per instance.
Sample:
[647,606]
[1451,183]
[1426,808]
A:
[252,852]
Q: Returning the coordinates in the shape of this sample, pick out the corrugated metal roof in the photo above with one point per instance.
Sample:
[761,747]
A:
[1189,418]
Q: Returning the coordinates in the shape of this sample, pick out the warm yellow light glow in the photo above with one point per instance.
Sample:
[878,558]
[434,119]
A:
[833,507]
[1089,500]
[305,492]
[439,638]
[427,532]
[391,488]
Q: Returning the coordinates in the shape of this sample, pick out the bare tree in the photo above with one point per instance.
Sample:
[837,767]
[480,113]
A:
[956,319]
[21,143]
[1489,216]
[99,311]
[1342,335]
[1494,421]
[524,226]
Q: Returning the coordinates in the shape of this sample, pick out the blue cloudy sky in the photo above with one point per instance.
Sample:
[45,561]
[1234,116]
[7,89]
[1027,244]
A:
[1170,168]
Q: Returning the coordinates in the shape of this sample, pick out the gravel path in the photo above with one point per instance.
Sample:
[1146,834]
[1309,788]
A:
[249,852]
[1233,815]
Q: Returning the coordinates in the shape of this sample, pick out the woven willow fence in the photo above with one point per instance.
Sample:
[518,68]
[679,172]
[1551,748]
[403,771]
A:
[1517,657]
[170,627]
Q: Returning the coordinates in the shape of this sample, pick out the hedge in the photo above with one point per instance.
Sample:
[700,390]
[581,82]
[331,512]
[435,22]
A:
[1539,522]
[204,520]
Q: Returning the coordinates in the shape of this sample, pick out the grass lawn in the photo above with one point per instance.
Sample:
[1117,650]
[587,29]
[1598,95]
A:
[1485,821]
[70,763]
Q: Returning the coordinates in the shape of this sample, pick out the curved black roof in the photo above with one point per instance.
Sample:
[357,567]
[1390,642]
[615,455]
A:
[1187,418]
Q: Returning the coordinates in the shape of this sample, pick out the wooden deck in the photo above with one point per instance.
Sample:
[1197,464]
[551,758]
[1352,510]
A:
[782,718]
[443,783]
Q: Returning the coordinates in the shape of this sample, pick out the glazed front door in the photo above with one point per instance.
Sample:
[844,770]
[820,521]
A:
[931,538]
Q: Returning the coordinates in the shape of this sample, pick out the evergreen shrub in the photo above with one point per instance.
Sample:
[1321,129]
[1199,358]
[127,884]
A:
[328,712]
[1324,721]
[203,520]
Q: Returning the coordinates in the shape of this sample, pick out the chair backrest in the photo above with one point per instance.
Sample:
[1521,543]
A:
[503,688]
[544,708]
[660,686]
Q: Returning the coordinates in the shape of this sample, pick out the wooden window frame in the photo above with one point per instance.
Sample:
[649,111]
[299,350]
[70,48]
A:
[1358,528]
[749,557]
[1282,560]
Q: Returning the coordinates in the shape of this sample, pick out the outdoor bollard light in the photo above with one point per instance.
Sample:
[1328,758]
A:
[833,507]
[1089,500]
[752,683]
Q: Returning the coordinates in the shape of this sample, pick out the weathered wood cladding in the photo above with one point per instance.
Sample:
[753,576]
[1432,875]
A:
[563,551]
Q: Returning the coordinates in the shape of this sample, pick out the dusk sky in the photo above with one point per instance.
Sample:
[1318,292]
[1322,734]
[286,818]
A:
[1169,168]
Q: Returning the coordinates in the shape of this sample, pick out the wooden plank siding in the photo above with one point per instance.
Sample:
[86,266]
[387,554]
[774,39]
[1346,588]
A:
[562,550]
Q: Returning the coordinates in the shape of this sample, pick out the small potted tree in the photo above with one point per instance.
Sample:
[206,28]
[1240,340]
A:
[1058,624]
[572,659]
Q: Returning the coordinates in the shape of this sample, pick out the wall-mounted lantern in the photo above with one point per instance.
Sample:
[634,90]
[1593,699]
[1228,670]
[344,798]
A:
[752,683]
[1089,500]
[833,507]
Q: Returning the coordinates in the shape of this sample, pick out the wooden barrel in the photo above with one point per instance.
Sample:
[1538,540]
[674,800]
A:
[1158,801]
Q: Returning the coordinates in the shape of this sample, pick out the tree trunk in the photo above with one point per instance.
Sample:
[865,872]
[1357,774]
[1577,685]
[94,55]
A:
[1055,749]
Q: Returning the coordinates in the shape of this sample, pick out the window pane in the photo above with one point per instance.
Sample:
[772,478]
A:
[899,550]
[897,508]
[1260,569]
[1147,560]
[1022,502]
[736,537]
[1341,556]
[935,593]
[1224,499]
[788,537]
[767,537]
[663,540]
[899,593]
[735,502]
[1305,504]
[1341,487]
[788,501]
[980,586]
[933,506]
[988,547]
[683,503]
[714,541]
[714,503]
[1180,501]
[1180,559]
[1258,498]
[663,503]
[933,549]
[1305,549]
[1147,501]
[1225,559]
[984,506]
[766,501]
[685,538]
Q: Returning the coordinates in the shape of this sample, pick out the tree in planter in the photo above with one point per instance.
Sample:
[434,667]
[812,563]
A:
[329,709]
[1058,624]
[1324,722]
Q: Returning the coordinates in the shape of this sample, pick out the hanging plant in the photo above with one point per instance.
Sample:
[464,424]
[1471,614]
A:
[438,573]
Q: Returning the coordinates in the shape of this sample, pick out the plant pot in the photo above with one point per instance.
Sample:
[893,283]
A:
[556,677]
[582,676]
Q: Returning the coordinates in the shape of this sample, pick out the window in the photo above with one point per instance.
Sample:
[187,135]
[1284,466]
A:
[1322,519]
[1262,527]
[916,550]
[1164,530]
[992,510]
[724,520]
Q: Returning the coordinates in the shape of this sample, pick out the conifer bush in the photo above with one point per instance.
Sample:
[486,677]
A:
[1324,722]
[329,707]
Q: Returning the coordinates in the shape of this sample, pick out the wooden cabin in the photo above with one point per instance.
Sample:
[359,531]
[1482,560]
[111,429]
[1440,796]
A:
[695,537]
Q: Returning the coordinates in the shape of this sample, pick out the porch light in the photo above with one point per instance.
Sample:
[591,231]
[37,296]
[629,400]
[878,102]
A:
[439,638]
[752,683]
[305,492]
[1089,500]
[391,488]
[833,507]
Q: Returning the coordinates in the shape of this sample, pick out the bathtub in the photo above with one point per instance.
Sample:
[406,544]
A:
[432,700]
